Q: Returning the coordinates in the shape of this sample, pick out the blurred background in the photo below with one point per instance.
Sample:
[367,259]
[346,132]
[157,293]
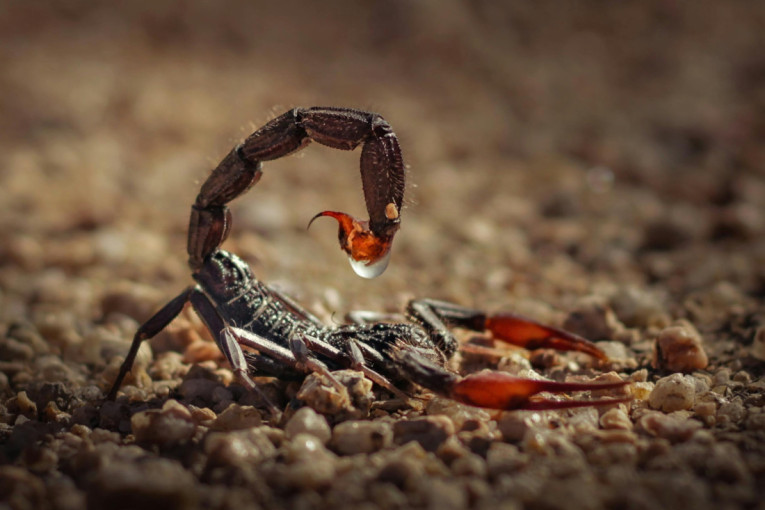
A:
[554,149]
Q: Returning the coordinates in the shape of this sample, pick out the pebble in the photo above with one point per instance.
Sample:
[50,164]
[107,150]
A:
[13,350]
[138,301]
[503,458]
[638,308]
[594,320]
[405,466]
[459,414]
[307,421]
[615,418]
[444,495]
[308,464]
[679,349]
[428,431]
[470,465]
[361,436]
[245,447]
[237,417]
[199,390]
[23,405]
[352,401]
[674,427]
[758,344]
[22,487]
[673,393]
[731,413]
[150,483]
[168,426]
[515,425]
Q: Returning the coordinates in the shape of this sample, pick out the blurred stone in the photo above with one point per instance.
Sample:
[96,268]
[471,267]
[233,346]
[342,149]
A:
[352,437]
[307,421]
[673,393]
[679,349]
[164,427]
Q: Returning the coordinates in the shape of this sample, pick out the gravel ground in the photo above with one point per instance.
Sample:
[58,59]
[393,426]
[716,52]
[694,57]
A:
[596,166]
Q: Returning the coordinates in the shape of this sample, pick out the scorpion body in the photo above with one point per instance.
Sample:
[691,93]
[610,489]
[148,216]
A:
[261,331]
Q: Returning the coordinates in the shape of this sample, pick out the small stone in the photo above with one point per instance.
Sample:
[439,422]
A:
[237,417]
[202,415]
[39,459]
[637,307]
[22,488]
[151,483]
[673,393]
[244,447]
[429,431]
[515,425]
[459,414]
[470,465]
[352,437]
[307,421]
[165,427]
[198,390]
[679,349]
[503,458]
[758,344]
[615,419]
[731,413]
[445,495]
[755,422]
[309,465]
[665,235]
[594,320]
[351,401]
[673,427]
[13,350]
[137,301]
[24,405]
[405,467]
[706,411]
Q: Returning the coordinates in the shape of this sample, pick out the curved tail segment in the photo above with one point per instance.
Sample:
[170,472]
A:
[367,243]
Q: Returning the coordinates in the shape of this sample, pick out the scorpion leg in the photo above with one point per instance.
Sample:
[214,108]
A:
[498,390]
[228,345]
[352,356]
[296,357]
[299,349]
[436,316]
[148,329]
[367,243]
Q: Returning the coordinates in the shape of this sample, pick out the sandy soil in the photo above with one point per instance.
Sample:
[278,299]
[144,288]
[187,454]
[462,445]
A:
[596,166]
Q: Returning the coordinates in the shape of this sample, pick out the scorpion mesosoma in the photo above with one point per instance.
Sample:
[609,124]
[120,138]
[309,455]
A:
[284,340]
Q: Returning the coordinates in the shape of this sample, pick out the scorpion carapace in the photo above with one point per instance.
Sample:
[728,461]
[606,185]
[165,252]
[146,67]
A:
[367,243]
[261,331]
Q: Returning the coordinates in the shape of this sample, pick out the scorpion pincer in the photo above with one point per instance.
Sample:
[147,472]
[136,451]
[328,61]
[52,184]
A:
[262,331]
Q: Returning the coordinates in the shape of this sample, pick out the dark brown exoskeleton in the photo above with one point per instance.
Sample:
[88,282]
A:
[367,243]
[262,331]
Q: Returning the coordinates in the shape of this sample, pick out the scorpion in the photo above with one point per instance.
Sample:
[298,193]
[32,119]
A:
[262,331]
